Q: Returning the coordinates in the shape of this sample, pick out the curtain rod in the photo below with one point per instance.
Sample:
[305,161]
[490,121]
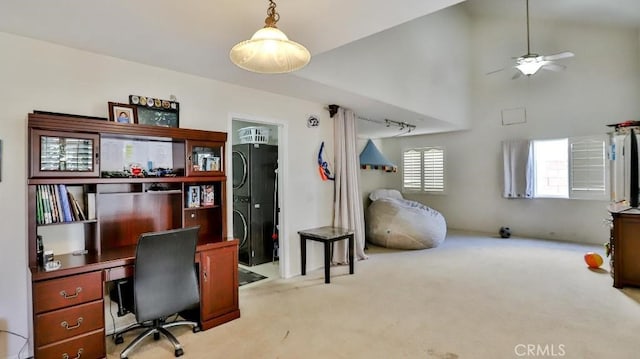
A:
[333,109]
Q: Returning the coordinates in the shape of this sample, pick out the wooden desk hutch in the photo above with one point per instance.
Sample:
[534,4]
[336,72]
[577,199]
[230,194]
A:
[66,153]
[625,247]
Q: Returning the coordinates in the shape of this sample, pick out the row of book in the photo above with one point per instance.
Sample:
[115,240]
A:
[55,204]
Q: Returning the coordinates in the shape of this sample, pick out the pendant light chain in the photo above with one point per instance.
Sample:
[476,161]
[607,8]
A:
[272,15]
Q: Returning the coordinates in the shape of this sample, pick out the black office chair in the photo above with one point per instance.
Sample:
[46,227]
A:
[164,283]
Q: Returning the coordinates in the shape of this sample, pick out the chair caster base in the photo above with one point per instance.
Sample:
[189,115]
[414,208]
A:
[156,336]
[196,329]
[179,352]
[118,339]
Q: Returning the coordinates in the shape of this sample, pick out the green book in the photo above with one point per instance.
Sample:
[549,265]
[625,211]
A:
[46,207]
[39,213]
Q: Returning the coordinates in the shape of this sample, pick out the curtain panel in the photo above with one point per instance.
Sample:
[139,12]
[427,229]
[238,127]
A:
[518,169]
[348,211]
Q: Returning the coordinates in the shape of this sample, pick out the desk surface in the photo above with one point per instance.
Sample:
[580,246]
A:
[111,258]
[326,232]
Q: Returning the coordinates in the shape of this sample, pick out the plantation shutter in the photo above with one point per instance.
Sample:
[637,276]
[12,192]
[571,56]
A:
[588,168]
[433,170]
[411,170]
[423,169]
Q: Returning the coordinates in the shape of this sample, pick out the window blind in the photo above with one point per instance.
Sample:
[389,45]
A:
[423,169]
[433,170]
[587,167]
[411,170]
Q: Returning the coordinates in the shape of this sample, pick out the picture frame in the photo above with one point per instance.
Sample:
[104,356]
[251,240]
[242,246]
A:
[123,113]
[155,111]
[208,195]
[193,196]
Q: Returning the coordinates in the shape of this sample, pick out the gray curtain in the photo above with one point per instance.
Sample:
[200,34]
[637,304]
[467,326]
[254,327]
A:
[347,205]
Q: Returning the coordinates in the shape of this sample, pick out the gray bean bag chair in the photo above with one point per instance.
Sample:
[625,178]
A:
[395,222]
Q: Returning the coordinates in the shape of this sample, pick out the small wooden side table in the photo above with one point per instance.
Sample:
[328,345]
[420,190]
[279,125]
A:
[326,235]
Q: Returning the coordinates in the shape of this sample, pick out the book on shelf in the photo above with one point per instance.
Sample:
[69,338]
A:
[74,211]
[78,213]
[91,205]
[46,204]
[49,204]
[39,212]
[55,211]
[64,203]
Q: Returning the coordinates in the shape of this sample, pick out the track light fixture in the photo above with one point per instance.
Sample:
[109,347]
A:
[401,125]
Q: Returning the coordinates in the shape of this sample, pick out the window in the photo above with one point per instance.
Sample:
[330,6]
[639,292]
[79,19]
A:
[570,168]
[551,176]
[423,170]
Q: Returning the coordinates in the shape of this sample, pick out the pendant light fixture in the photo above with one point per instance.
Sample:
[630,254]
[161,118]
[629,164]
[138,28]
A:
[269,51]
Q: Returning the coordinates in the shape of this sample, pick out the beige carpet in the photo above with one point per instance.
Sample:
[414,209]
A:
[472,297]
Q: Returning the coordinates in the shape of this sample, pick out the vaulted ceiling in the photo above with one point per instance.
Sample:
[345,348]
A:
[194,37]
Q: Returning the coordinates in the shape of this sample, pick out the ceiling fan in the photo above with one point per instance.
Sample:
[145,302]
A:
[529,63]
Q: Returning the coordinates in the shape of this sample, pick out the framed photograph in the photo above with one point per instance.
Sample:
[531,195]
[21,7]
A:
[193,197]
[208,196]
[123,113]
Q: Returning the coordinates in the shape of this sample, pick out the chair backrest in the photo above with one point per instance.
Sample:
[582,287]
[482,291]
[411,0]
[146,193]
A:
[165,278]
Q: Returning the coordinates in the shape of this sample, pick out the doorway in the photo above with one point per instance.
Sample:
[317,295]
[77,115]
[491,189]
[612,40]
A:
[257,194]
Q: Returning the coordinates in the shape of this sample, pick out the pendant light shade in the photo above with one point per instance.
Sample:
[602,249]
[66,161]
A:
[269,51]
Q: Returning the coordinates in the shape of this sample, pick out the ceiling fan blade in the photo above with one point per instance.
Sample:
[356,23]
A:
[494,71]
[554,67]
[558,56]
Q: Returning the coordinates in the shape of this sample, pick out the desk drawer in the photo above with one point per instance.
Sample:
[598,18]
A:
[68,322]
[67,291]
[86,346]
[118,273]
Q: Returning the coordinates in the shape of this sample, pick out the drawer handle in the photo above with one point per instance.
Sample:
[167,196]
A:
[67,296]
[66,356]
[66,325]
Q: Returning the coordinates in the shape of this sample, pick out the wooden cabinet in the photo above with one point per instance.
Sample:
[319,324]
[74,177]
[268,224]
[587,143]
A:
[625,249]
[64,154]
[120,198]
[208,211]
[204,158]
[68,314]
[219,285]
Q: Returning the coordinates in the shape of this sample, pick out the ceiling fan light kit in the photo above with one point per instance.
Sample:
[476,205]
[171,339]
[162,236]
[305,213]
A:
[269,51]
[530,63]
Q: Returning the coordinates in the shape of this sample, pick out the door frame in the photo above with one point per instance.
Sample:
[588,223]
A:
[283,164]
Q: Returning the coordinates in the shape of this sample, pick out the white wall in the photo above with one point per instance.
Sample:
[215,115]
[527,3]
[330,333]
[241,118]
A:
[372,179]
[599,87]
[43,76]
[421,65]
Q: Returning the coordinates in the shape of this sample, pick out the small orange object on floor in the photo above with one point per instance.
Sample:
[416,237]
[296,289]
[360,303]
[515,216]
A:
[593,260]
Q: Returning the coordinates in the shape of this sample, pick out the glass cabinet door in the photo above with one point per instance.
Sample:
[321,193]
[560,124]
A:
[204,158]
[60,154]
